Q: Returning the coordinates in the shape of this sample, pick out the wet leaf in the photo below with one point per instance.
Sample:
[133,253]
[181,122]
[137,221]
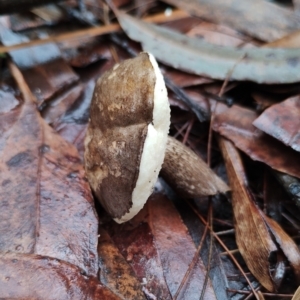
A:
[286,244]
[58,106]
[258,21]
[159,248]
[136,242]
[236,125]
[176,250]
[44,70]
[282,122]
[45,201]
[115,272]
[249,225]
[202,58]
[252,225]
[29,276]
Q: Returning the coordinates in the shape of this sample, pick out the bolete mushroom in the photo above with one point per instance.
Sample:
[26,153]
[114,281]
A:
[127,138]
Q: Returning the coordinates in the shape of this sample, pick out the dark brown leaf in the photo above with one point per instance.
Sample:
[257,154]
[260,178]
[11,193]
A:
[46,203]
[249,225]
[137,244]
[29,276]
[282,122]
[252,225]
[115,272]
[176,250]
[236,125]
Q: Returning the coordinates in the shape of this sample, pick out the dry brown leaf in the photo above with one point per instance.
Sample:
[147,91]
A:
[29,276]
[251,233]
[258,21]
[282,122]
[255,231]
[115,272]
[235,124]
[45,201]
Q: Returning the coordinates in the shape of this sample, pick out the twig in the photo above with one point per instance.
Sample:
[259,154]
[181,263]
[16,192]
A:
[265,294]
[225,248]
[92,32]
[209,222]
[192,264]
[19,78]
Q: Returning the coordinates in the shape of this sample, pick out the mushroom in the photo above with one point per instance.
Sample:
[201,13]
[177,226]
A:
[127,135]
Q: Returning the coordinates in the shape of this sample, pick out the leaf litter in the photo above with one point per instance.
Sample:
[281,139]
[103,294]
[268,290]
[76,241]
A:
[67,110]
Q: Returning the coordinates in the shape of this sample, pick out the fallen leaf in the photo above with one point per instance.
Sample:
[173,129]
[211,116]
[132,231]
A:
[249,226]
[30,276]
[219,35]
[115,272]
[44,70]
[136,242]
[286,244]
[176,250]
[192,55]
[235,123]
[282,122]
[46,203]
[58,106]
[252,225]
[258,21]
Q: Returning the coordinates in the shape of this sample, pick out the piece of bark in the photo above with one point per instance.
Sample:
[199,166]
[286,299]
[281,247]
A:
[188,173]
[29,276]
[235,123]
[282,122]
[45,201]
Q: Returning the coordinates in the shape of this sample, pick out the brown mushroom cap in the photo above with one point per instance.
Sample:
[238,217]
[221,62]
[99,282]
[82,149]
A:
[127,134]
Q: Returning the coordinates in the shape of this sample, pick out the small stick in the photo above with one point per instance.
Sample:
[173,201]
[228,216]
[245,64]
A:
[91,32]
